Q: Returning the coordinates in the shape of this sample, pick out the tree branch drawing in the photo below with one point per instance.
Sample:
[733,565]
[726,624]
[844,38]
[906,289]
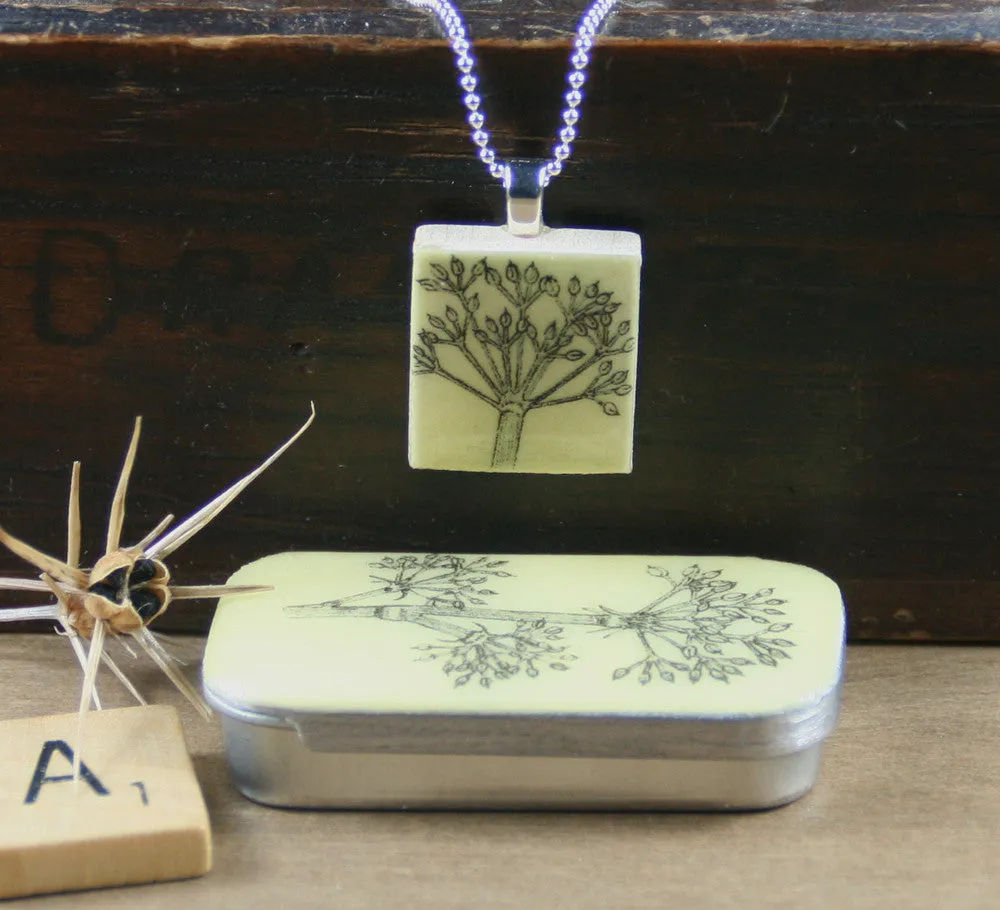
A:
[524,341]
[699,625]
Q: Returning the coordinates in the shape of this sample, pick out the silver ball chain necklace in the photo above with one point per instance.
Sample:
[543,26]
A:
[523,337]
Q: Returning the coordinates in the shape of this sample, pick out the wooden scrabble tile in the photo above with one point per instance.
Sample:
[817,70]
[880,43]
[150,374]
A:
[135,815]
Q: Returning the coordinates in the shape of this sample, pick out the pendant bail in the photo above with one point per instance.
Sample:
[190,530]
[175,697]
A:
[523,183]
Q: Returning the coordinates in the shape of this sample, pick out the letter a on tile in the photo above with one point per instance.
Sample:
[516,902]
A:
[41,775]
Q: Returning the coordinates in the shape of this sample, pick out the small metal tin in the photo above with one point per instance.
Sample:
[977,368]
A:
[368,680]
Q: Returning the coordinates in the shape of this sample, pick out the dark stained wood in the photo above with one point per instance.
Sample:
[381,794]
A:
[859,22]
[213,231]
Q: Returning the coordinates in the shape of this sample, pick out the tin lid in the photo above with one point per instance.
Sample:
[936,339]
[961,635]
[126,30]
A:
[624,656]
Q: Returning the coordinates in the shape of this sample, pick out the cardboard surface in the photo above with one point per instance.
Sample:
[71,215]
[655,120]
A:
[905,814]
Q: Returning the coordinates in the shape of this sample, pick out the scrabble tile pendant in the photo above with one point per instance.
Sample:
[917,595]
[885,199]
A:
[523,349]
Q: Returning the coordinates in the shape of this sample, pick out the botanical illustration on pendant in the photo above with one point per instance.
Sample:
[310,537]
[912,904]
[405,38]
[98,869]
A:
[523,361]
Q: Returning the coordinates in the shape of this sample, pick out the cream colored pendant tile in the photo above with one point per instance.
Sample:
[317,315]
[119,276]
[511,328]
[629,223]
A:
[523,350]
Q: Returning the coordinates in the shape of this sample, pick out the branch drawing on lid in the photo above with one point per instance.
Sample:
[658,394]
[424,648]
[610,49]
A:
[520,340]
[700,624]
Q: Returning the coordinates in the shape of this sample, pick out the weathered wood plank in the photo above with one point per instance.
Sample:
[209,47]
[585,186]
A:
[857,22]
[213,234]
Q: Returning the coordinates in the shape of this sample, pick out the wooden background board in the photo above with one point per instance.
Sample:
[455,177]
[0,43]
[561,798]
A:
[905,814]
[213,230]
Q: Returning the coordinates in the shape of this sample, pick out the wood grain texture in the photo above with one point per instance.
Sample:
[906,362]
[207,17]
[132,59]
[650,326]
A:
[213,231]
[905,814]
[135,815]
[857,22]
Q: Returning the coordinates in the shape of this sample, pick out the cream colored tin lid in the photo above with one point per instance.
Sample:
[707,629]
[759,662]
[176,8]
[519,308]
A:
[523,636]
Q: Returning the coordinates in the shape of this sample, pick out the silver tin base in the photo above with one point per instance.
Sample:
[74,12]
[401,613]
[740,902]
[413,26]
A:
[272,765]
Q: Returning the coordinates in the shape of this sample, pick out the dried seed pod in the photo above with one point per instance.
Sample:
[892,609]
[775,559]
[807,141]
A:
[127,587]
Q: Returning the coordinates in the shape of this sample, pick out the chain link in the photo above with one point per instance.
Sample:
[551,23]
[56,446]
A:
[457,33]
